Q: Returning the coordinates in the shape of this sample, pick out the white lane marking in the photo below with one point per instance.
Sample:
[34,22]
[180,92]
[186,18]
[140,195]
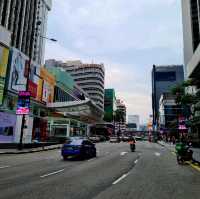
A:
[4,167]
[157,154]
[92,159]
[120,179]
[136,161]
[53,173]
[123,153]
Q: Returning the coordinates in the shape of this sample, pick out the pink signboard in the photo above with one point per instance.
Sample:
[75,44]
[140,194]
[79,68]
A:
[23,104]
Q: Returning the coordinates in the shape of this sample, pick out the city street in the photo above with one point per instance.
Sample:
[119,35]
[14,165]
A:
[150,172]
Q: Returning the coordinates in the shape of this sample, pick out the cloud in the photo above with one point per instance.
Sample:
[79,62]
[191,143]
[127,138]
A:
[127,36]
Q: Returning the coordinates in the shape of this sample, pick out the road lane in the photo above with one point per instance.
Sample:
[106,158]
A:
[25,177]
[156,177]
[140,174]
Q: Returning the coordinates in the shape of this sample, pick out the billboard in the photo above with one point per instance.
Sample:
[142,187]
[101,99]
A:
[49,83]
[18,62]
[4,52]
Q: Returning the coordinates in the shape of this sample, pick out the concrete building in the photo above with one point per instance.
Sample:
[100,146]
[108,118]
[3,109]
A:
[191,38]
[122,107]
[89,77]
[164,78]
[27,20]
[134,119]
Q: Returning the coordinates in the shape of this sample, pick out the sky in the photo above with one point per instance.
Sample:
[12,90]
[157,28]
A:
[127,36]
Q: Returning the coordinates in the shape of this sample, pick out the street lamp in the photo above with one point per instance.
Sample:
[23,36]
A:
[50,39]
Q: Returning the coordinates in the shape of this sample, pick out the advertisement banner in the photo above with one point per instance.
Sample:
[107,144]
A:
[32,88]
[7,127]
[17,71]
[39,89]
[49,83]
[4,52]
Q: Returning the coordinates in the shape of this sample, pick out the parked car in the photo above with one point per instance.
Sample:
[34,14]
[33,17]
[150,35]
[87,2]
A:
[78,147]
[114,139]
[94,138]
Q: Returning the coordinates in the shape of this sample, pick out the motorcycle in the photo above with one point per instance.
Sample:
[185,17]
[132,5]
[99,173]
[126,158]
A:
[183,153]
[132,146]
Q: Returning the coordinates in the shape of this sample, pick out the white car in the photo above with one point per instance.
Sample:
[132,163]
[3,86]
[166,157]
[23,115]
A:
[114,139]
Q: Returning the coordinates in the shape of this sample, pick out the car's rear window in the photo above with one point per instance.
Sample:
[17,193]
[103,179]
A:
[74,142]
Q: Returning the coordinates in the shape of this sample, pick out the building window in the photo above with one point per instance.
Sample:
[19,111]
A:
[165,76]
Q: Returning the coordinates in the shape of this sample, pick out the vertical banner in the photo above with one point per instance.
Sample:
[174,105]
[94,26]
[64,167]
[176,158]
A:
[3,68]
[23,104]
[48,85]
[18,71]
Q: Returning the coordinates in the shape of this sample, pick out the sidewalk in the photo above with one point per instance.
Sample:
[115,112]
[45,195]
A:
[31,150]
[196,151]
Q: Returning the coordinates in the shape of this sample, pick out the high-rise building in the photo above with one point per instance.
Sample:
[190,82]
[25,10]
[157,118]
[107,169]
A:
[122,108]
[109,105]
[89,77]
[27,20]
[134,119]
[191,38]
[164,78]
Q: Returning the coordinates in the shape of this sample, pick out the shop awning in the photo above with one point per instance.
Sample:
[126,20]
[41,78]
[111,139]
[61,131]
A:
[84,111]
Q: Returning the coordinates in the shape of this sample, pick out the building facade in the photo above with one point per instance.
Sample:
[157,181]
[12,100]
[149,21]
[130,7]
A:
[168,111]
[89,77]
[134,119]
[164,78]
[27,20]
[191,38]
[121,125]
[109,105]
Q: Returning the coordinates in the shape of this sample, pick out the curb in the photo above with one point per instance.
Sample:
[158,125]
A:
[30,151]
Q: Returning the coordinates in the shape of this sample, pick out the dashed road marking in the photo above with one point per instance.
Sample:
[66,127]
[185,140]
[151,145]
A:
[4,167]
[120,179]
[123,153]
[136,161]
[53,173]
[157,154]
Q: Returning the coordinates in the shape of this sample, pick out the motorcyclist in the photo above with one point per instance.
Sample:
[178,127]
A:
[183,151]
[132,143]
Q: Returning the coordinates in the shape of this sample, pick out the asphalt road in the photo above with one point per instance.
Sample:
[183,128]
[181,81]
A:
[117,173]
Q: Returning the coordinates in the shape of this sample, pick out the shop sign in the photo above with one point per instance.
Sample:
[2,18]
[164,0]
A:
[18,70]
[4,52]
[23,104]
[32,88]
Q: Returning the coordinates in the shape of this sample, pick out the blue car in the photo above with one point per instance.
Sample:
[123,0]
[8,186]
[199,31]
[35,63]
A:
[78,147]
